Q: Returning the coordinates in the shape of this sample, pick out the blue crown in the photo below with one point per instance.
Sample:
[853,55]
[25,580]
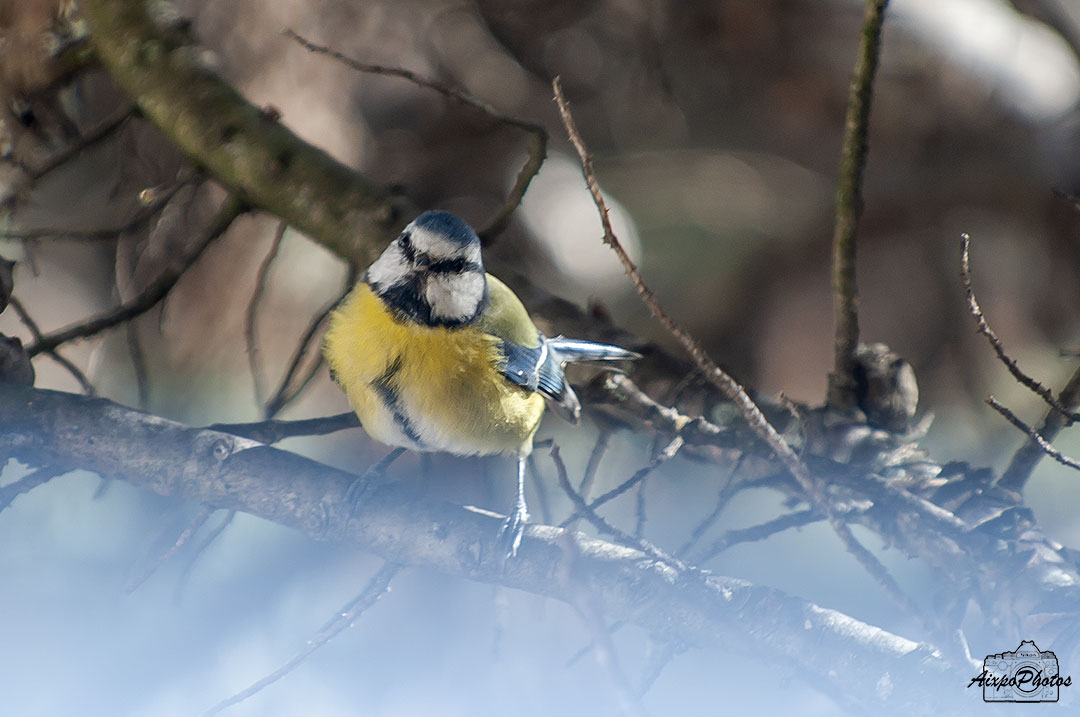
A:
[448,225]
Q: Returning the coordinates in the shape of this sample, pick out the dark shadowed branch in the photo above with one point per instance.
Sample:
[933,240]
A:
[154,292]
[538,136]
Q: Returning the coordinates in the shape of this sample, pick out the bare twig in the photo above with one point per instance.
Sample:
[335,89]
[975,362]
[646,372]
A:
[275,430]
[97,134]
[603,438]
[984,328]
[538,135]
[728,386]
[1043,444]
[602,525]
[138,364]
[199,549]
[592,615]
[253,308]
[146,212]
[378,586]
[639,476]
[727,492]
[28,482]
[289,388]
[151,566]
[154,292]
[849,208]
[760,532]
[1028,455]
[35,331]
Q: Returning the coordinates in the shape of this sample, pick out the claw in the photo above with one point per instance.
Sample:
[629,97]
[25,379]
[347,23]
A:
[513,528]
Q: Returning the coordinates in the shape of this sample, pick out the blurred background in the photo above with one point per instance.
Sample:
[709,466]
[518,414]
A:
[716,127]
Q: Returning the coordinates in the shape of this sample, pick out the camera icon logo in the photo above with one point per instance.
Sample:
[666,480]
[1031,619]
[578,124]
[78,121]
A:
[1026,674]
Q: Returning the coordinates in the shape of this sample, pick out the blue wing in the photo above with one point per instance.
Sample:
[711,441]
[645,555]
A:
[541,368]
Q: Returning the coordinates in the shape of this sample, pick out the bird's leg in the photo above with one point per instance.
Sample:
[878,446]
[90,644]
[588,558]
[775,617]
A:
[514,526]
[356,490]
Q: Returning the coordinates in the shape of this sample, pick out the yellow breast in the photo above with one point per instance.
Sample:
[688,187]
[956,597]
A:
[427,388]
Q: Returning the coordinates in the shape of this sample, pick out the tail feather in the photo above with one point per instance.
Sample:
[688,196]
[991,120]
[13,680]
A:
[572,350]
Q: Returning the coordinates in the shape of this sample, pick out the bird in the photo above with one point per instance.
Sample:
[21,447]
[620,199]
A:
[436,355]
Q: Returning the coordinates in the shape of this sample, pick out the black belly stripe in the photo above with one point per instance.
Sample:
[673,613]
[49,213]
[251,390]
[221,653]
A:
[389,396]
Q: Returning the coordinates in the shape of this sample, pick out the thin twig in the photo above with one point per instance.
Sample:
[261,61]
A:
[602,525]
[151,567]
[655,662]
[842,382]
[1033,434]
[154,292]
[615,492]
[28,482]
[275,430]
[538,135]
[253,308]
[86,141]
[760,532]
[35,331]
[984,328]
[138,365]
[728,386]
[199,549]
[727,492]
[588,606]
[591,467]
[378,586]
[142,215]
[287,391]
[1028,455]
[640,514]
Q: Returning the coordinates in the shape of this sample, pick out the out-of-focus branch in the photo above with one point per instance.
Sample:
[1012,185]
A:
[152,294]
[257,158]
[842,383]
[538,136]
[839,653]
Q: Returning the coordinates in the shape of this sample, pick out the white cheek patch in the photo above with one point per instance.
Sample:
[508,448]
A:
[455,297]
[390,268]
[439,247]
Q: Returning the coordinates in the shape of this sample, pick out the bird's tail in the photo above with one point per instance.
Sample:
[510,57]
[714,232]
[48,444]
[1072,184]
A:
[571,350]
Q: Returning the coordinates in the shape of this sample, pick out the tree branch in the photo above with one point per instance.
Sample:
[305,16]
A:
[256,157]
[840,654]
[842,382]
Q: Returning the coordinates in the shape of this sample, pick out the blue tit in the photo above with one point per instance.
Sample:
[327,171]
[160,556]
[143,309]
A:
[436,355]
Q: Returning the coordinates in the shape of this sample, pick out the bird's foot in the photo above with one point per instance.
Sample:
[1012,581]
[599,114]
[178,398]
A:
[513,528]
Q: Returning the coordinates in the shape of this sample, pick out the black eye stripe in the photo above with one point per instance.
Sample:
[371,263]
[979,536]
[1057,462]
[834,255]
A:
[454,266]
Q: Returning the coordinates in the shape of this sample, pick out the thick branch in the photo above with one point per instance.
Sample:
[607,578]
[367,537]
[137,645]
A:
[844,656]
[247,150]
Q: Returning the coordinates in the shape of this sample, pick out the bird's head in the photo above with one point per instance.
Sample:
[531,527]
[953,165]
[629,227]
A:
[433,272]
